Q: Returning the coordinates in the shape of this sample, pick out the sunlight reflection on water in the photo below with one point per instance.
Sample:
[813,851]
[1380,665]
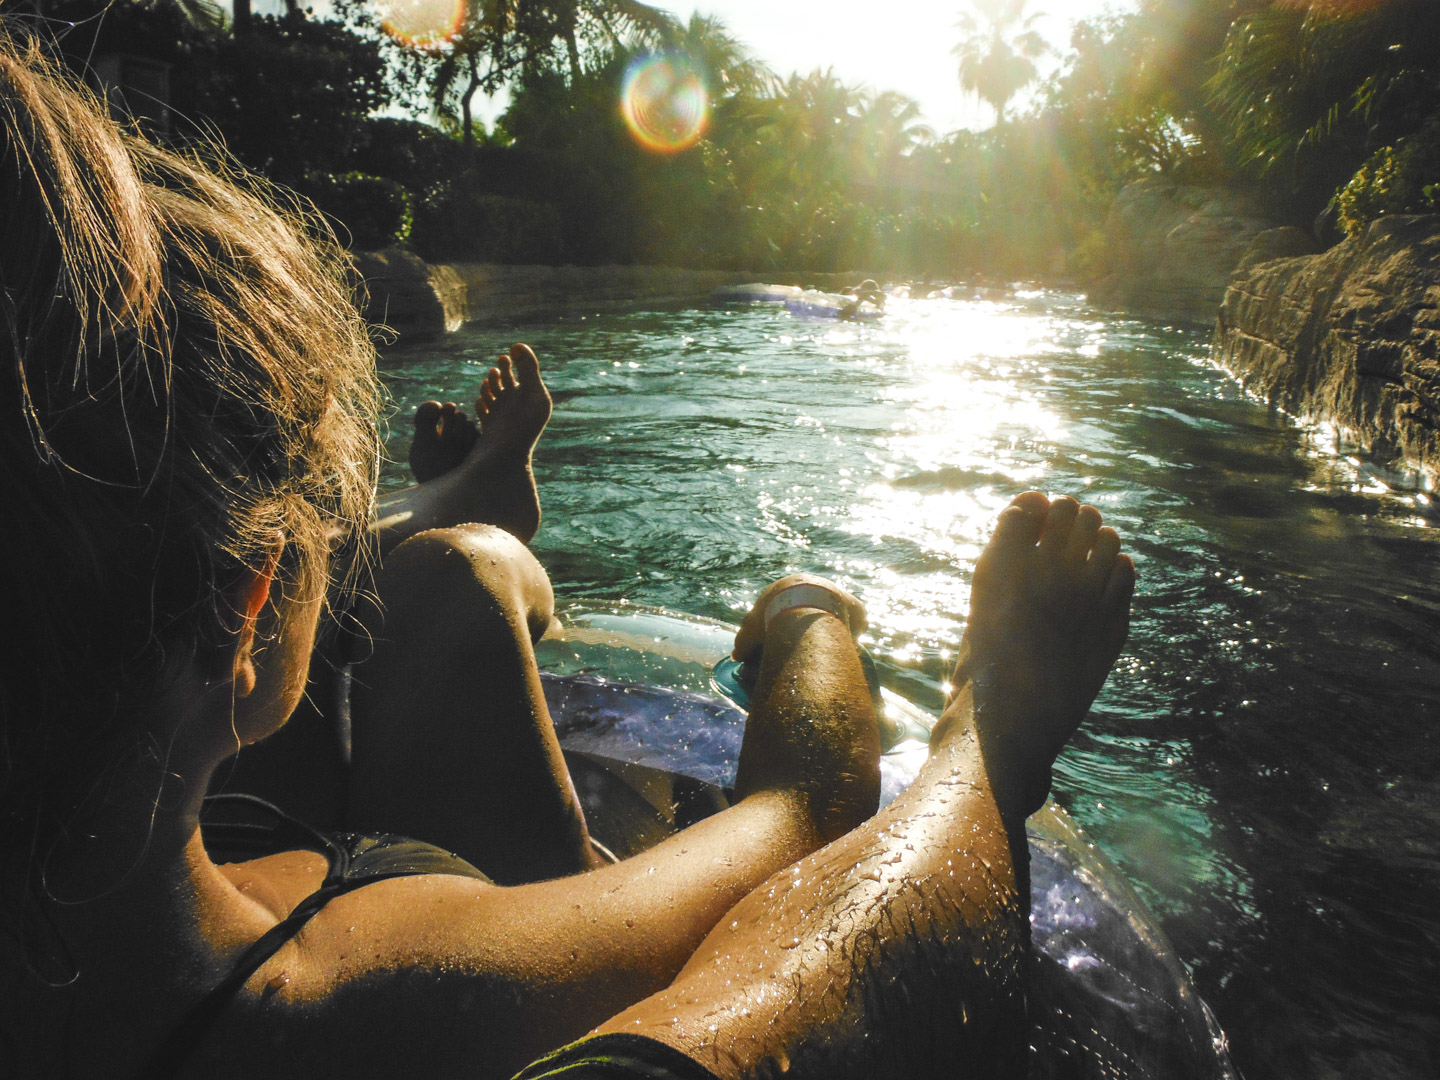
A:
[1259,760]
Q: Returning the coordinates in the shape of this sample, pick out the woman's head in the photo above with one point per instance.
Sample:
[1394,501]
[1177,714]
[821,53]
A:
[183,379]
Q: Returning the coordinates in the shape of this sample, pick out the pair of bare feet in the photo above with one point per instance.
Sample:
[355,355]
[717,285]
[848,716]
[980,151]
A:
[1050,599]
[484,461]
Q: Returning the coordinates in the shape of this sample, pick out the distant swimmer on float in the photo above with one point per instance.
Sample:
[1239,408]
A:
[867,292]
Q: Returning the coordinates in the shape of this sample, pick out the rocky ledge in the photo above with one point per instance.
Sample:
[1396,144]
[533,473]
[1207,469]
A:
[1169,249]
[1350,337]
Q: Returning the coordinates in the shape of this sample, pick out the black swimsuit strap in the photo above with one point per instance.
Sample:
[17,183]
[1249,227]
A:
[197,1022]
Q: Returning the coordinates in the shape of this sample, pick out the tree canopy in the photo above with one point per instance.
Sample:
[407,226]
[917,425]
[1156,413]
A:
[1311,104]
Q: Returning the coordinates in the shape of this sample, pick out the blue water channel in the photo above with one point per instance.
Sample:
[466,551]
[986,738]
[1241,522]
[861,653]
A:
[1265,760]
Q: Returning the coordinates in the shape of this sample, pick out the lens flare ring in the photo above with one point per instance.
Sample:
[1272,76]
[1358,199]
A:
[664,103]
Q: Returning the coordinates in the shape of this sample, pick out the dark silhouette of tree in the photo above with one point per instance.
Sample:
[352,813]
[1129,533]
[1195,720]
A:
[998,52]
[1315,87]
[721,60]
[501,40]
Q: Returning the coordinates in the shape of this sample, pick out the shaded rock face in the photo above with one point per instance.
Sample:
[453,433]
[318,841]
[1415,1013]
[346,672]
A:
[1286,242]
[1170,249]
[1350,337]
[413,300]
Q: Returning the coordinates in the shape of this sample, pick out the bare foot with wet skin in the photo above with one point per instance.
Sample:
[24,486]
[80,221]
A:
[1049,612]
[484,475]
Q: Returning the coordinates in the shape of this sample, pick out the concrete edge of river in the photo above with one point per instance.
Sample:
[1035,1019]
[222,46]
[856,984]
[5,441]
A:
[416,300]
[1349,337]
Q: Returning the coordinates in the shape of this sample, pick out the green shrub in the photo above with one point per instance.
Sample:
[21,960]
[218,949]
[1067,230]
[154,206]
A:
[373,212]
[1399,179]
[414,154]
[1089,259]
[459,225]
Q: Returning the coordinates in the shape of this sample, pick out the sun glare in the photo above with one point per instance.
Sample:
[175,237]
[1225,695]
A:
[422,24]
[976,429]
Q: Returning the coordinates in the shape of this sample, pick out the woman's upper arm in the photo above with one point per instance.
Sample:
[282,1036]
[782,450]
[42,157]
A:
[502,975]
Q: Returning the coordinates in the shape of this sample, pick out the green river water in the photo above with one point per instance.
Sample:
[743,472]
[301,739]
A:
[1264,762]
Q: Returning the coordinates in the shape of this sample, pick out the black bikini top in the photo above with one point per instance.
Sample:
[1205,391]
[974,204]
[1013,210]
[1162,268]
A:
[355,861]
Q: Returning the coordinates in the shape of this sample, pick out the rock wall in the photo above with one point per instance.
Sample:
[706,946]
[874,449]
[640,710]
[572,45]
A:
[1351,337]
[415,300]
[1169,249]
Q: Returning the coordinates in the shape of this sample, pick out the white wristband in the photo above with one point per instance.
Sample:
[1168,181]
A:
[804,594]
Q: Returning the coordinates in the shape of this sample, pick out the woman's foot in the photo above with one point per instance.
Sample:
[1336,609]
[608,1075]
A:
[1049,611]
[485,475]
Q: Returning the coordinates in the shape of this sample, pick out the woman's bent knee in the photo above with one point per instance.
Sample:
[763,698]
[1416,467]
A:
[466,572]
[479,543]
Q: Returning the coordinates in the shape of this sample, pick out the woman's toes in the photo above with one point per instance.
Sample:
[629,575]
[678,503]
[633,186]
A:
[1016,531]
[1033,503]
[1120,585]
[427,419]
[446,421]
[507,372]
[1102,557]
[527,364]
[486,401]
[1063,512]
[1020,523]
[1082,535]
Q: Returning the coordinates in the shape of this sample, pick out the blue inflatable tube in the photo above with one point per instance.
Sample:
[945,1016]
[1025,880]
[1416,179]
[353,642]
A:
[822,305]
[756,293]
[650,736]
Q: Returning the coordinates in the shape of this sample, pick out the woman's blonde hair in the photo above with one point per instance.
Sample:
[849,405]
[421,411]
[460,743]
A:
[183,377]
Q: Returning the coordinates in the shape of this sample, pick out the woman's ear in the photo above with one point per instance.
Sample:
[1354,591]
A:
[250,596]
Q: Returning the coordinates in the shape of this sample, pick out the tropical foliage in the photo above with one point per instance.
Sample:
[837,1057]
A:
[1309,95]
[499,40]
[1309,103]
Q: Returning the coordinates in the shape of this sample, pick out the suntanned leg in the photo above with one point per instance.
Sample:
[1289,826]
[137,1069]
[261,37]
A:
[451,739]
[493,482]
[896,950]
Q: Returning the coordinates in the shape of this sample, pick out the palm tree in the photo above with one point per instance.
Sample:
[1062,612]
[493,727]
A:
[720,58]
[997,54]
[891,123]
[1307,81]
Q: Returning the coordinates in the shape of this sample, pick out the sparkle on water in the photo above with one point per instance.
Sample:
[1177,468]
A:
[1263,762]
[664,103]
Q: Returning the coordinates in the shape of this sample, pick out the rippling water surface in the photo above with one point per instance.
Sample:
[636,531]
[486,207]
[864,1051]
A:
[1264,761]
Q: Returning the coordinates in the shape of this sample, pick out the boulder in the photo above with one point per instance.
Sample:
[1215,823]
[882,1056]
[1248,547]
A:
[1170,248]
[1286,242]
[411,299]
[1350,337]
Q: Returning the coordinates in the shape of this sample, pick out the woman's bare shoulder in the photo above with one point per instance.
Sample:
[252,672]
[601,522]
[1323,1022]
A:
[431,975]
